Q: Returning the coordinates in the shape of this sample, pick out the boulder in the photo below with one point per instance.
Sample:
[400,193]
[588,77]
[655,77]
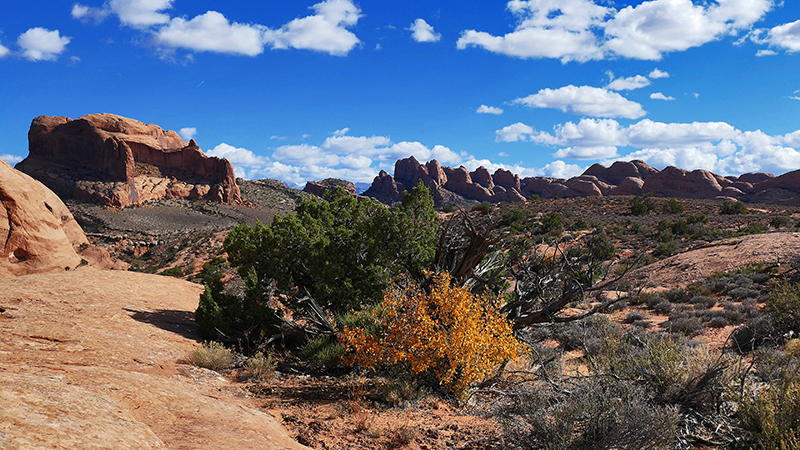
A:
[37,232]
[102,158]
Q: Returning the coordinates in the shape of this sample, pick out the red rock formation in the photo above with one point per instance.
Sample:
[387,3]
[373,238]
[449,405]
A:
[507,179]
[621,170]
[482,176]
[674,182]
[114,160]
[37,231]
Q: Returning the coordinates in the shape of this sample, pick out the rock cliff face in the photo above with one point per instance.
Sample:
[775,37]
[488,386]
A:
[321,188]
[37,231]
[119,162]
[453,185]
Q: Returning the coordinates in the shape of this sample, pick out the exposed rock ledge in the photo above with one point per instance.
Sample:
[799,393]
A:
[118,162]
[90,359]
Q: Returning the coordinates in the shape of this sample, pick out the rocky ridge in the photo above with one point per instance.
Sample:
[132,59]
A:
[118,162]
[450,186]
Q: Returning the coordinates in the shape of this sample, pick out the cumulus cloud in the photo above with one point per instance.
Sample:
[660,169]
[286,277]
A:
[628,84]
[41,44]
[786,37]
[560,29]
[187,133]
[244,161]
[3,51]
[655,74]
[212,32]
[326,31]
[483,109]
[132,13]
[341,132]
[513,133]
[766,52]
[423,32]
[660,96]
[714,146]
[582,30]
[584,100]
[11,159]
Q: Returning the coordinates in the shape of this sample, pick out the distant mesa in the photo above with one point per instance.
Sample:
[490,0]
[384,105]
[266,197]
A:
[37,231]
[321,188]
[116,161]
[459,187]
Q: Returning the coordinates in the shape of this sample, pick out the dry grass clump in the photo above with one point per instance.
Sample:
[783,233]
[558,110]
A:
[212,355]
[260,367]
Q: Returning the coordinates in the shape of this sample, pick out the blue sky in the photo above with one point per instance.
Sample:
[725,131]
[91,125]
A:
[308,90]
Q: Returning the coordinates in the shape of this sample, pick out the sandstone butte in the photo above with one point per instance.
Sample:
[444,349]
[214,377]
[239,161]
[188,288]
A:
[621,178]
[118,162]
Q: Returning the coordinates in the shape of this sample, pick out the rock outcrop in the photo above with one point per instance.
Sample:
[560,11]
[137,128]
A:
[453,185]
[321,188]
[118,162]
[37,231]
[447,185]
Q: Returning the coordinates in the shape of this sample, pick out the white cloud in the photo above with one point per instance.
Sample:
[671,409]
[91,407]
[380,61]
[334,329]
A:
[86,13]
[660,96]
[341,132]
[212,32]
[279,138]
[513,133]
[41,44]
[653,28]
[586,152]
[3,51]
[766,52]
[483,109]
[786,36]
[582,30]
[326,31]
[11,159]
[630,83]
[132,13]
[655,74]
[237,156]
[187,133]
[584,100]
[546,29]
[422,32]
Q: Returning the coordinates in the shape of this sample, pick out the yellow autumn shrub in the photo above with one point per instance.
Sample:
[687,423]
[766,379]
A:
[458,337]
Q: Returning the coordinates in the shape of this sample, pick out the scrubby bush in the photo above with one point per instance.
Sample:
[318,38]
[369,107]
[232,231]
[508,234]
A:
[260,367]
[778,222]
[484,208]
[672,206]
[552,222]
[212,355]
[642,205]
[446,332]
[733,208]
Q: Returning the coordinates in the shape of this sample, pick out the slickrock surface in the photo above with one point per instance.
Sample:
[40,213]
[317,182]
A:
[721,256]
[91,360]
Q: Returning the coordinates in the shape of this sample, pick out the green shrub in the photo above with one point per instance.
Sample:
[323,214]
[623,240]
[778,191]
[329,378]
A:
[484,208]
[642,205]
[772,414]
[672,207]
[731,208]
[778,222]
[323,352]
[212,355]
[552,222]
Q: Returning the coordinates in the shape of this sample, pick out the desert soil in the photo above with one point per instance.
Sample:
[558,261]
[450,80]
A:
[92,359]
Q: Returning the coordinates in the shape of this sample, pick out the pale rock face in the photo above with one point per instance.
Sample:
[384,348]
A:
[103,158]
[37,231]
